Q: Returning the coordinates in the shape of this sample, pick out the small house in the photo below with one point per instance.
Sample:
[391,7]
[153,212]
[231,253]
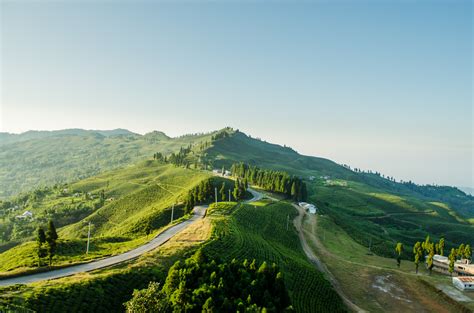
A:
[464,282]
[311,208]
[26,214]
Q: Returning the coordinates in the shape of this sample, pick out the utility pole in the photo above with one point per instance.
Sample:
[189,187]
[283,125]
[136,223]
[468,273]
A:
[88,238]
[215,192]
[172,213]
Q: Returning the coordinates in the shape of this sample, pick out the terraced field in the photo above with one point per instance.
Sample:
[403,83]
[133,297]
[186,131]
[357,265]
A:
[259,231]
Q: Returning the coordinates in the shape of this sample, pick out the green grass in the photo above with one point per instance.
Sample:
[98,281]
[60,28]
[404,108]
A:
[357,270]
[142,196]
[258,231]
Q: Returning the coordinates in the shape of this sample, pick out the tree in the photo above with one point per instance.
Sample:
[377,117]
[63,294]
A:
[399,250]
[452,259]
[441,246]
[460,251]
[222,191]
[40,240]
[147,300]
[236,192]
[418,254]
[51,239]
[467,252]
[293,190]
[429,260]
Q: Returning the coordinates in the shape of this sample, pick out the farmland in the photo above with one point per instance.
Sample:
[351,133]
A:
[141,199]
[258,231]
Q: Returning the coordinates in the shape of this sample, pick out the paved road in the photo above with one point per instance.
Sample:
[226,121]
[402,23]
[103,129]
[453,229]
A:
[199,212]
[256,195]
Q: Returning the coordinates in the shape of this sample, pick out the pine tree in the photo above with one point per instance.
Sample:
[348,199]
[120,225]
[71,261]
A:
[293,190]
[40,240]
[399,250]
[222,191]
[51,239]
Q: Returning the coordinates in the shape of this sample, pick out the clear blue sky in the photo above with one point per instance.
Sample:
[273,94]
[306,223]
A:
[382,85]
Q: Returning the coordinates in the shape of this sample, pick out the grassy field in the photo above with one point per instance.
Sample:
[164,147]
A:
[375,283]
[106,290]
[382,219]
[258,231]
[138,198]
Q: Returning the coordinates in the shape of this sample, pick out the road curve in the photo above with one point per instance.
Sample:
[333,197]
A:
[161,238]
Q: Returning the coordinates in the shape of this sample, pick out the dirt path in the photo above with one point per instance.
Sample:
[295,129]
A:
[298,222]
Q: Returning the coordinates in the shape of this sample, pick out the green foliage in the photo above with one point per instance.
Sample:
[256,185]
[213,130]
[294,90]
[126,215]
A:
[418,254]
[399,251]
[275,181]
[204,192]
[40,241]
[259,232]
[103,294]
[138,201]
[202,284]
[452,259]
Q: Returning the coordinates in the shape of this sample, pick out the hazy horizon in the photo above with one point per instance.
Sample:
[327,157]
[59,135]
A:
[384,86]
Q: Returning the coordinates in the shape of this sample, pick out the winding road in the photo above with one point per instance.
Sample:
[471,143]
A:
[161,238]
[198,213]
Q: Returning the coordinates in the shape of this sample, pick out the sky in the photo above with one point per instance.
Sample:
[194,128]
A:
[381,85]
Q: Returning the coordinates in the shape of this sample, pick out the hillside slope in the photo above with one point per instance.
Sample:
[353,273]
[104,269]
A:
[375,210]
[35,159]
[137,200]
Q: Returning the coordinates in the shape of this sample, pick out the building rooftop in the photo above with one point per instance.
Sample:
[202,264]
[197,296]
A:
[466,279]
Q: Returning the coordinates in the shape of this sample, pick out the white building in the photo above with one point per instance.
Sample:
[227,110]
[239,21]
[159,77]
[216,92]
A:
[464,282]
[26,214]
[311,208]
[461,267]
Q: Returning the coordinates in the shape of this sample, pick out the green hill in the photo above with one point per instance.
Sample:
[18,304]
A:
[43,158]
[375,210]
[122,206]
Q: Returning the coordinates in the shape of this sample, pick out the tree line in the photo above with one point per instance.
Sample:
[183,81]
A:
[200,284]
[276,181]
[428,249]
[46,243]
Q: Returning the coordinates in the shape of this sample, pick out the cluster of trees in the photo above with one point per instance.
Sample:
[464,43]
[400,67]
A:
[159,156]
[275,181]
[220,135]
[427,249]
[46,243]
[240,189]
[179,159]
[202,285]
[462,252]
[202,193]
